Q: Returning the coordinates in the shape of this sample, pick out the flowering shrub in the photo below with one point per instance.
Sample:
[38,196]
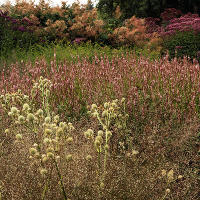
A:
[133,32]
[152,25]
[169,14]
[136,32]
[68,23]
[16,32]
[86,23]
[188,22]
[182,32]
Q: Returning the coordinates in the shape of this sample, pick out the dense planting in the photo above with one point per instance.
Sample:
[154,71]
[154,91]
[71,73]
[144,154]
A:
[157,94]
[29,24]
[81,120]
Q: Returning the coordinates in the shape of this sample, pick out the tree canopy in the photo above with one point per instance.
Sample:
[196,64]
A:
[146,8]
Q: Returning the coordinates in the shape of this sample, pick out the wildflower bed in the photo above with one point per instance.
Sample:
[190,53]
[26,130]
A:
[125,128]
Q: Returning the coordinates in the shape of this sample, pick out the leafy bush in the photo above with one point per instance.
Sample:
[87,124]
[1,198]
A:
[16,33]
[183,44]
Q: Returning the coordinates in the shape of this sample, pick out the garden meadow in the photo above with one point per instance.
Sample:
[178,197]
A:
[92,109]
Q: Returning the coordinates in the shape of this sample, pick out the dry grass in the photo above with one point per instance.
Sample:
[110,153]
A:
[133,174]
[127,178]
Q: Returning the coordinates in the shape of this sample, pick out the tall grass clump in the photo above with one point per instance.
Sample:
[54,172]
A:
[154,89]
[49,136]
[56,161]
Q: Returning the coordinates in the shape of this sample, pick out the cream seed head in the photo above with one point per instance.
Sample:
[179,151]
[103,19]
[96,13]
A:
[37,155]
[50,149]
[71,127]
[7,131]
[88,157]
[14,110]
[123,100]
[170,175]
[105,113]
[48,131]
[168,190]
[21,118]
[95,114]
[127,115]
[26,106]
[90,131]
[61,124]
[111,109]
[54,126]
[100,133]
[32,151]
[69,140]
[116,101]
[56,118]
[109,134]
[180,177]
[26,97]
[45,159]
[119,126]
[47,93]
[102,185]
[59,131]
[106,105]
[114,104]
[46,141]
[18,137]
[47,120]
[40,112]
[99,138]
[163,172]
[57,158]
[30,117]
[87,134]
[134,152]
[35,85]
[50,155]
[54,141]
[97,143]
[106,147]
[43,171]
[10,114]
[35,145]
[68,157]
[93,107]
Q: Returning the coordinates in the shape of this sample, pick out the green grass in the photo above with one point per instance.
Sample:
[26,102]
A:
[67,52]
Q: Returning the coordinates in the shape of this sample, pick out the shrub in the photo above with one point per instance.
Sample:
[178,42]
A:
[182,44]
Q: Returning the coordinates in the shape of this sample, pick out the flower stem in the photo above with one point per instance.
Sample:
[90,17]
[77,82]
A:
[61,181]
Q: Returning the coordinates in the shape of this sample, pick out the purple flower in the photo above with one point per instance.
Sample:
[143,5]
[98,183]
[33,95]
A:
[178,47]
[14,21]
[79,40]
[21,28]
[198,54]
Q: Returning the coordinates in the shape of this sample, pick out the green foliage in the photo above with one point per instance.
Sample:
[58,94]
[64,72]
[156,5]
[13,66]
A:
[182,43]
[145,8]
[12,38]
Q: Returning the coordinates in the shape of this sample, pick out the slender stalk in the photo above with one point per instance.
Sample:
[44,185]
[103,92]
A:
[105,157]
[44,191]
[61,181]
[164,197]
